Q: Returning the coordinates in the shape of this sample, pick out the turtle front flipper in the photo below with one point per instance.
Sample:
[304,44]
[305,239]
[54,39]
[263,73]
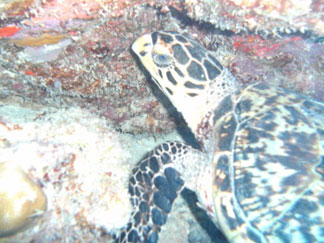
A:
[153,186]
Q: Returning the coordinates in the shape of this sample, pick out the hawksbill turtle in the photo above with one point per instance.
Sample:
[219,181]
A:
[259,173]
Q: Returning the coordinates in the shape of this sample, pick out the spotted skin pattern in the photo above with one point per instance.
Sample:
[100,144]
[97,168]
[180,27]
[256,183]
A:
[260,171]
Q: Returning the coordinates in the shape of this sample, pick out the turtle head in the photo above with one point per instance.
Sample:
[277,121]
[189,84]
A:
[192,79]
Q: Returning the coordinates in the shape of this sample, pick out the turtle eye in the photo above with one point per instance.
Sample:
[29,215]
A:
[162,60]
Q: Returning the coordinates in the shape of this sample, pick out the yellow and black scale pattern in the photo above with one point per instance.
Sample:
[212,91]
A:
[260,171]
[274,176]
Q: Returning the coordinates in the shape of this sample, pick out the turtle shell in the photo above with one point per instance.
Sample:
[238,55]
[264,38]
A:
[268,168]
[260,170]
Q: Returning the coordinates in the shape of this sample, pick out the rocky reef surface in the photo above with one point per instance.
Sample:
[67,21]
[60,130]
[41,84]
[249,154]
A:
[76,113]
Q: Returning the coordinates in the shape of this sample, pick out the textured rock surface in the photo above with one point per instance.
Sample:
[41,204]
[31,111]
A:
[261,16]
[81,165]
[55,55]
[80,55]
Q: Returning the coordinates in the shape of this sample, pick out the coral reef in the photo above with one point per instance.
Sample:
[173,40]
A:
[80,56]
[83,61]
[81,165]
[70,91]
[261,16]
[290,62]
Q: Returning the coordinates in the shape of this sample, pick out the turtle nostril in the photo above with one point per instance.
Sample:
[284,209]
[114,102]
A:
[143,53]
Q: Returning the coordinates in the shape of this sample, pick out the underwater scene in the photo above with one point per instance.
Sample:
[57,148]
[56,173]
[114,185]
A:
[161,121]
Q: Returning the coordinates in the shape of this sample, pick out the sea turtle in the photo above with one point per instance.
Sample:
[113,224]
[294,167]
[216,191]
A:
[260,171]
